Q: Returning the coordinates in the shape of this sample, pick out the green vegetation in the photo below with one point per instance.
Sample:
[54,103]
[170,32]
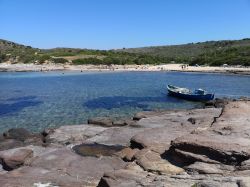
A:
[215,53]
[230,56]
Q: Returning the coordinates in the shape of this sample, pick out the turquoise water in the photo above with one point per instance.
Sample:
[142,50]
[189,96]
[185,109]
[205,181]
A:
[39,100]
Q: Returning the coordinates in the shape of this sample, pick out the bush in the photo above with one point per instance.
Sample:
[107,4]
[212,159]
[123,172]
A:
[59,60]
[87,61]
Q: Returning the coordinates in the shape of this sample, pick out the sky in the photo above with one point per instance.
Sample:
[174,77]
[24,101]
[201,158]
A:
[112,24]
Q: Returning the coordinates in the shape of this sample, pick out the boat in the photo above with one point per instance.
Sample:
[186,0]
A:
[184,93]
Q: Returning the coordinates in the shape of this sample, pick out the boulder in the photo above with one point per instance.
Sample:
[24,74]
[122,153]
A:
[152,162]
[14,158]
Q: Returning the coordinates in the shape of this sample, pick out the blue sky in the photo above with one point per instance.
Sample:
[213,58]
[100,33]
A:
[107,24]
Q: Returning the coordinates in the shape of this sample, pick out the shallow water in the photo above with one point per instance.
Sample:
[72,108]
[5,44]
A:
[36,100]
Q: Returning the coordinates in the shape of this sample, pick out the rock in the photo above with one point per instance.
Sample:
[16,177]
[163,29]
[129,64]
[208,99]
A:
[205,168]
[14,158]
[115,136]
[135,178]
[9,144]
[24,136]
[203,117]
[20,134]
[102,121]
[191,120]
[227,141]
[217,103]
[162,129]
[208,184]
[191,157]
[2,171]
[35,176]
[127,154]
[84,169]
[125,122]
[152,162]
[245,165]
[73,134]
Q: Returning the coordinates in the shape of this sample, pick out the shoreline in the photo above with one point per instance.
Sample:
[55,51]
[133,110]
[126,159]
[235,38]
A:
[6,67]
[172,147]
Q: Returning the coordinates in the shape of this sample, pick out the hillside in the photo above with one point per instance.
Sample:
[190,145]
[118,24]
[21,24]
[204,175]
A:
[216,53]
[189,50]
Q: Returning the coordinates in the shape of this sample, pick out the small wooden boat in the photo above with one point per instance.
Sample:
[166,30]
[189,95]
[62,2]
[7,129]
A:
[184,93]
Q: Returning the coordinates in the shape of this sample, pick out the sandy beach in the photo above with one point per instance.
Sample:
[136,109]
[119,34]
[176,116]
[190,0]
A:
[164,67]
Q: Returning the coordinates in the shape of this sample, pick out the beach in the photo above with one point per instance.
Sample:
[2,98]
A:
[19,67]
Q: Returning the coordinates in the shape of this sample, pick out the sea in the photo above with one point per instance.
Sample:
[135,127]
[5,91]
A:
[39,100]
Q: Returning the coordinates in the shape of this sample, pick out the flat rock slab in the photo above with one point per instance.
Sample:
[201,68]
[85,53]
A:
[73,134]
[202,117]
[115,136]
[167,127]
[85,169]
[36,177]
[135,178]
[227,141]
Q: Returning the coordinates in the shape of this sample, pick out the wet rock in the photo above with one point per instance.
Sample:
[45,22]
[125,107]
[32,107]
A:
[102,121]
[73,134]
[97,150]
[152,162]
[218,102]
[14,158]
[20,134]
[24,136]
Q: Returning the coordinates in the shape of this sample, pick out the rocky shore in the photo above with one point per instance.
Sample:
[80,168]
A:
[199,147]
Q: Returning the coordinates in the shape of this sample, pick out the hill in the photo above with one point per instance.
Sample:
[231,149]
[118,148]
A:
[231,52]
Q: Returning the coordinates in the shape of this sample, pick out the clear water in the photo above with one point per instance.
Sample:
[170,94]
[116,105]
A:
[39,100]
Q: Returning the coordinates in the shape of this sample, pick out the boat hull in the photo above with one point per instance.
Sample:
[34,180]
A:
[192,97]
